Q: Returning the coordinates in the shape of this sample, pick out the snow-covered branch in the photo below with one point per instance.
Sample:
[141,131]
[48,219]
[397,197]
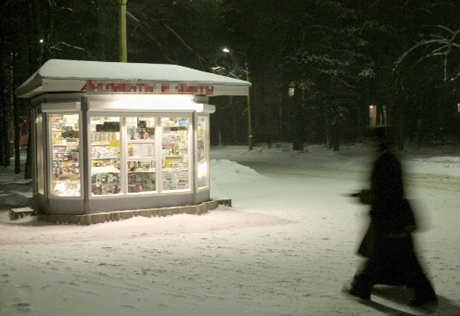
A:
[441,46]
[55,47]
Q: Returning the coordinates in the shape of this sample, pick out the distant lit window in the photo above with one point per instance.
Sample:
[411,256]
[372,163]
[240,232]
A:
[291,89]
[372,115]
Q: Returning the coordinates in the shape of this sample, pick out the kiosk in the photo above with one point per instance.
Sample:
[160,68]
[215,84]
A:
[114,136]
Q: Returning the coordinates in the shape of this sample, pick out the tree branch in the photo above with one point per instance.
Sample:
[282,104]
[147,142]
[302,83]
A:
[178,37]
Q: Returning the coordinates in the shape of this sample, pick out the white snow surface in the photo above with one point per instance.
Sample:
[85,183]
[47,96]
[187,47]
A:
[286,247]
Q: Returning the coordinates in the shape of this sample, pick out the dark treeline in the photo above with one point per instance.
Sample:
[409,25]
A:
[340,57]
[316,66]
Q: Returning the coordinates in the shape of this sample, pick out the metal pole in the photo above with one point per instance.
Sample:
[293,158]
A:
[85,169]
[249,113]
[123,44]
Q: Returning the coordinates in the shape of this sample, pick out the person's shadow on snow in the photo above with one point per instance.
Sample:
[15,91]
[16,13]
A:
[400,296]
[447,306]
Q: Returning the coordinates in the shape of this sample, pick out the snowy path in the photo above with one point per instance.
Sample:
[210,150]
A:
[285,248]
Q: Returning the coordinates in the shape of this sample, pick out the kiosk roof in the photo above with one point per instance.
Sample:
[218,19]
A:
[58,75]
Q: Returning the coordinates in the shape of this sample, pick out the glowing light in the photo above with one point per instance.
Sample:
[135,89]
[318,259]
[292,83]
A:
[159,105]
[202,170]
[291,90]
[226,50]
[159,102]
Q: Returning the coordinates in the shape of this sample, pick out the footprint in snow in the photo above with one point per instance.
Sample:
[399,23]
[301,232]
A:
[22,307]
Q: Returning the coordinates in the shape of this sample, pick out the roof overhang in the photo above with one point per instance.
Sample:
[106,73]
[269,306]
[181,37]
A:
[94,77]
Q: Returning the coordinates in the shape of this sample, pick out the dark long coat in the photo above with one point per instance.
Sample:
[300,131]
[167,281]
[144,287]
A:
[391,220]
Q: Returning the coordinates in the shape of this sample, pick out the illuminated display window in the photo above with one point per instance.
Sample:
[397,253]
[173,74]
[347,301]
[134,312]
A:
[202,152]
[141,162]
[175,153]
[136,151]
[65,154]
[105,155]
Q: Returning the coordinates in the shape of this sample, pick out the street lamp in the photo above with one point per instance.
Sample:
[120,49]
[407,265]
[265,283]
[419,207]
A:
[226,50]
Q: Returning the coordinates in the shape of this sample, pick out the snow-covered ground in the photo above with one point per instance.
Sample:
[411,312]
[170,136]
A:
[286,246]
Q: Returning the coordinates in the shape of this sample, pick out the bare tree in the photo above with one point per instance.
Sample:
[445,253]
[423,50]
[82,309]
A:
[445,45]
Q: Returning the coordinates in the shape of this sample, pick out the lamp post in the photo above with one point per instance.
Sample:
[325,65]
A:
[249,112]
[226,50]
[122,20]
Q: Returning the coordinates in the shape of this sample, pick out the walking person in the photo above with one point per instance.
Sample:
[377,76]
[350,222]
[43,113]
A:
[388,244]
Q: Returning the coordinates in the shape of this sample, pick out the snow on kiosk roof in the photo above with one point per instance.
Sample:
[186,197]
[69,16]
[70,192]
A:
[115,77]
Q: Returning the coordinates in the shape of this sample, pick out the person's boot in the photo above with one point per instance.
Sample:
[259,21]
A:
[353,291]
[364,295]
[426,299]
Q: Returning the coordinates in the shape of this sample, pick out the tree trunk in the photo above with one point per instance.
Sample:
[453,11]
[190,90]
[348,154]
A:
[297,143]
[397,121]
[4,153]
[3,121]
[379,115]
[335,137]
[235,125]
[28,167]
[101,33]
[328,131]
[16,118]
[34,53]
[35,58]
[400,129]
[46,53]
